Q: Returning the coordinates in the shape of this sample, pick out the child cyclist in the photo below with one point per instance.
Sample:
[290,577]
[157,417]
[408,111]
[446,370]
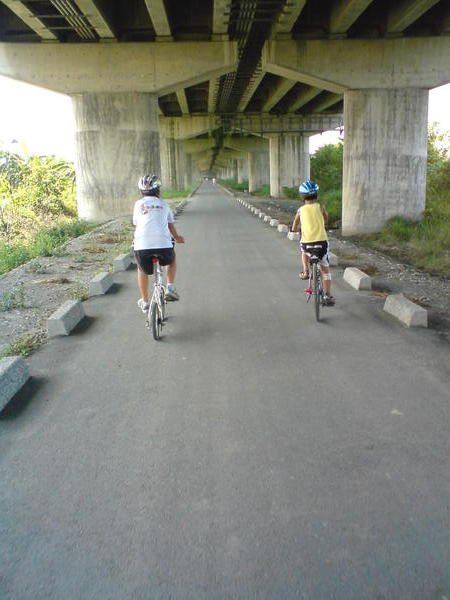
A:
[153,237]
[312,218]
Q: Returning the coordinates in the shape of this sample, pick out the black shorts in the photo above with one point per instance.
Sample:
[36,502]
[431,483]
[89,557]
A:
[321,252]
[166,256]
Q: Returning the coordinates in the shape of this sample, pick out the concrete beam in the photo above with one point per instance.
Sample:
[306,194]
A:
[183,128]
[160,68]
[96,19]
[280,90]
[158,16]
[304,98]
[405,13]
[336,65]
[266,125]
[251,89]
[246,144]
[288,17]
[182,101]
[25,14]
[194,146]
[330,100]
[220,19]
[212,94]
[344,13]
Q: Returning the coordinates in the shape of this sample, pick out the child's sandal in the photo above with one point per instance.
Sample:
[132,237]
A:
[303,275]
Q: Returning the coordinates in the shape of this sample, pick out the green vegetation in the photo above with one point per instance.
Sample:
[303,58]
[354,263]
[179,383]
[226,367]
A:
[169,194]
[234,185]
[13,299]
[23,345]
[37,208]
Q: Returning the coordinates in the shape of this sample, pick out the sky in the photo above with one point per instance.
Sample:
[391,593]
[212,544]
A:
[41,121]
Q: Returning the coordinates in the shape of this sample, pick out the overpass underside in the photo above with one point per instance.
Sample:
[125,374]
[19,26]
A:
[235,88]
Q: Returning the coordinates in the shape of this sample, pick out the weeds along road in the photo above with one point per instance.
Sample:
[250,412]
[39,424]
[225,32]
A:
[252,453]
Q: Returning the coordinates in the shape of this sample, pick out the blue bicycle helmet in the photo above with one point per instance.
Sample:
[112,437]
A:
[308,187]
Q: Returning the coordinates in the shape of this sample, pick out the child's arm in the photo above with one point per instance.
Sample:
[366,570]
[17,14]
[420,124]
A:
[324,214]
[296,223]
[178,238]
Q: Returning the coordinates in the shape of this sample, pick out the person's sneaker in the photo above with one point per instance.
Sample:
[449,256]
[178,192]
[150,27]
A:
[143,305]
[328,300]
[172,294]
[304,276]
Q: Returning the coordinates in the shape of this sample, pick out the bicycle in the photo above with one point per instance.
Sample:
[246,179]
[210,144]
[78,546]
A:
[157,310]
[315,288]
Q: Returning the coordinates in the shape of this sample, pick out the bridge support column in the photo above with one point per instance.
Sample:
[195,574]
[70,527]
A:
[287,161]
[242,170]
[117,138]
[385,155]
[257,170]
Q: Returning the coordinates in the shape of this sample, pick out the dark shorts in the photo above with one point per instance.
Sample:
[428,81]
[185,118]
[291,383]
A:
[166,256]
[321,252]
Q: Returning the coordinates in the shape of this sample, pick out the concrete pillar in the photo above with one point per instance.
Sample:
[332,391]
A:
[242,170]
[274,157]
[168,163]
[117,141]
[385,154]
[305,160]
[234,170]
[258,169]
[188,173]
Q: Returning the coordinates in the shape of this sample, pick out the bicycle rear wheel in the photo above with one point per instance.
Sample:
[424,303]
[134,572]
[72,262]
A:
[316,290]
[155,321]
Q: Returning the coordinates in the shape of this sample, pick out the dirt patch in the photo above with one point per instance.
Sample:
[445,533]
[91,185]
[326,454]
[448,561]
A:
[389,275]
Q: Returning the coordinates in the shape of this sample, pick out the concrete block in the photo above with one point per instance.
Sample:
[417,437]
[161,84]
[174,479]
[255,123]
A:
[357,279]
[261,215]
[65,318]
[274,222]
[100,284]
[294,236]
[267,219]
[13,374]
[407,312]
[256,212]
[334,261]
[282,228]
[121,263]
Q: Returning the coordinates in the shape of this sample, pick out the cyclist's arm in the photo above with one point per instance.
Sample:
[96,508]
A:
[296,223]
[324,213]
[178,238]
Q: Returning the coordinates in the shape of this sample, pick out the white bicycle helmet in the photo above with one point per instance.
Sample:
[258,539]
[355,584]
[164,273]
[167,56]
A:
[148,184]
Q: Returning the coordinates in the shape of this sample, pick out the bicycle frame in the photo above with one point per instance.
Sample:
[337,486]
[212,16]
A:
[315,288]
[157,308]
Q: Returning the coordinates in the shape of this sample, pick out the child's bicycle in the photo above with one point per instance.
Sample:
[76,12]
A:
[157,309]
[315,288]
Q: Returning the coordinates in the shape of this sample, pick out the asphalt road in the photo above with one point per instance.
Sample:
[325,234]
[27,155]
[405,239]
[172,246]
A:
[252,453]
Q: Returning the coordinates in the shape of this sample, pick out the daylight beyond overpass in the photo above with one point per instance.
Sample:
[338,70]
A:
[236,88]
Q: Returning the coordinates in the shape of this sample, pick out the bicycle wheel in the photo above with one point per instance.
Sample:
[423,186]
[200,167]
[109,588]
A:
[155,321]
[316,290]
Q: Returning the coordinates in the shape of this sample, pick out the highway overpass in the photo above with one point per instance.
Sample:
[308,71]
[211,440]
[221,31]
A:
[235,88]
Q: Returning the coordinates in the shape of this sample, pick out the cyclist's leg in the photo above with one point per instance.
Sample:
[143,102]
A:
[143,285]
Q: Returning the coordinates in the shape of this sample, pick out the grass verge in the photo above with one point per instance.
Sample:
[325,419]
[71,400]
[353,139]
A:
[47,242]
[23,345]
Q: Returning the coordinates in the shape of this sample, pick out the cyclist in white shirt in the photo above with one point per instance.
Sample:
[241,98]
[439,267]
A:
[154,236]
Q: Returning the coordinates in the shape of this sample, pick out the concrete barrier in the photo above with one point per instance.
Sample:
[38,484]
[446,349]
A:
[282,228]
[294,236]
[121,263]
[334,261]
[65,318]
[357,279]
[100,284]
[257,212]
[13,375]
[261,215]
[407,312]
[274,222]
[267,219]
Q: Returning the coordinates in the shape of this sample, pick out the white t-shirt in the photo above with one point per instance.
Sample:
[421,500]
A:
[151,216]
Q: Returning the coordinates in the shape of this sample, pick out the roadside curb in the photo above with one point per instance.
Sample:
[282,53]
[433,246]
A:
[14,374]
[405,311]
